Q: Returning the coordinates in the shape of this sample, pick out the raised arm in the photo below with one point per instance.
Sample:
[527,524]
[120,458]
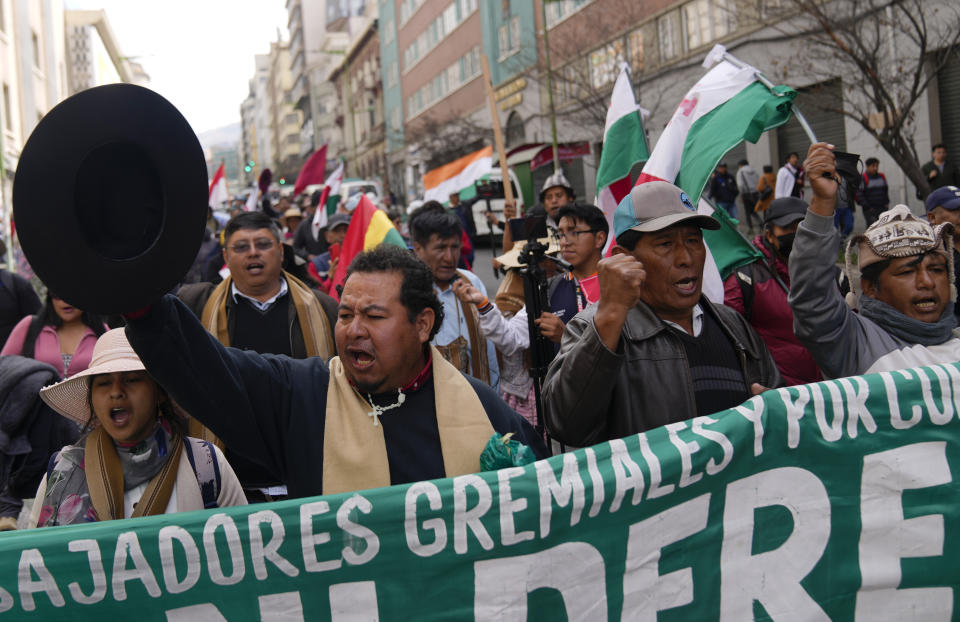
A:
[242,396]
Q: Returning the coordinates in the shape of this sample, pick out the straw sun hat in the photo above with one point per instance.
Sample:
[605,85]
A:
[112,353]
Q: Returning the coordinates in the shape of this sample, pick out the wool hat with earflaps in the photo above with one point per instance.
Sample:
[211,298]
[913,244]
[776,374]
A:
[898,233]
[110,198]
[112,353]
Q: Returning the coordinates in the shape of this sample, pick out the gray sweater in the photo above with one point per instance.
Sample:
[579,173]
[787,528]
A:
[842,342]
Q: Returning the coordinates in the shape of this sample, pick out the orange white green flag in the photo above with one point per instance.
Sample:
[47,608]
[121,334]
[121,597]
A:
[441,182]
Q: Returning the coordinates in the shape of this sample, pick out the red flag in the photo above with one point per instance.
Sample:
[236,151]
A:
[369,227]
[313,170]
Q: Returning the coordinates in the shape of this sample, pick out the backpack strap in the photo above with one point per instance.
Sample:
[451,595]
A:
[744,276]
[203,461]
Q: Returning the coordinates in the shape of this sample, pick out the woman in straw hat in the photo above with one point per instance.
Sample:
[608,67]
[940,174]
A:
[135,459]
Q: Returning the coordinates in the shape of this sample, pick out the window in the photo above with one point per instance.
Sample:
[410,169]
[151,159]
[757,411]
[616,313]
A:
[635,50]
[435,32]
[509,37]
[408,8]
[7,116]
[707,20]
[604,64]
[668,31]
[566,84]
[772,8]
[37,61]
[465,69]
[559,11]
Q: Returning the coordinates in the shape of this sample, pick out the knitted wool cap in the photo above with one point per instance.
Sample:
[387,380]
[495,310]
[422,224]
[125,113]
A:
[898,233]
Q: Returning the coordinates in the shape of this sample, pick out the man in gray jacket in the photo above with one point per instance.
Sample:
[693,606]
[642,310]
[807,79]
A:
[653,350]
[906,269]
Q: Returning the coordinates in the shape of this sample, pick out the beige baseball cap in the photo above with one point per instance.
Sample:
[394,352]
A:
[656,205]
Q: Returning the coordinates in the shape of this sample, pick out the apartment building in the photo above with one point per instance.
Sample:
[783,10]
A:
[360,99]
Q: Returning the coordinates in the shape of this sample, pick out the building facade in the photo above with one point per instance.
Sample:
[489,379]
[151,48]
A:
[360,100]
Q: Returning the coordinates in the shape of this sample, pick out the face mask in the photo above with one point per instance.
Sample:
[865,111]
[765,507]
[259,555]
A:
[786,244]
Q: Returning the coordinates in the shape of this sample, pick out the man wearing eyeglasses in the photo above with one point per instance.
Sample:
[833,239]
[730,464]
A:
[261,307]
[582,233]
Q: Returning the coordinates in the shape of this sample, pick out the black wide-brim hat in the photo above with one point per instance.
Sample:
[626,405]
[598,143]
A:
[110,198]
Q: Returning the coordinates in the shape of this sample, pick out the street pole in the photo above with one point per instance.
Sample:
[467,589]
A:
[553,111]
[736,62]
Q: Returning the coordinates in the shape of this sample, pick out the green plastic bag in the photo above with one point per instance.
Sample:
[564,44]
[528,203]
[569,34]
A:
[503,451]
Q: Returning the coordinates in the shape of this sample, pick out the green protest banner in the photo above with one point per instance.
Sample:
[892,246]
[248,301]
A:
[837,500]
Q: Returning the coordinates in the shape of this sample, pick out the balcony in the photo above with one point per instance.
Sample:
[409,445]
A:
[300,93]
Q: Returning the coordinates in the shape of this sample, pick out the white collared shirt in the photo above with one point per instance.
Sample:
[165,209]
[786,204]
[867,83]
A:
[697,321]
[266,304]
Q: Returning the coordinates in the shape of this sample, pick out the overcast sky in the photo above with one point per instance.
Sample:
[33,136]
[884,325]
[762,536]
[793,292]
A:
[198,53]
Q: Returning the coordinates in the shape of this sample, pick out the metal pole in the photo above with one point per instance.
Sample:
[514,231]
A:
[736,62]
[553,111]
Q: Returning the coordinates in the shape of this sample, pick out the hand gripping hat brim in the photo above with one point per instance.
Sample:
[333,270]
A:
[110,198]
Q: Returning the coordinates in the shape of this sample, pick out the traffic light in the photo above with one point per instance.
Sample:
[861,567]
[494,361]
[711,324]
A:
[247,168]
[283,180]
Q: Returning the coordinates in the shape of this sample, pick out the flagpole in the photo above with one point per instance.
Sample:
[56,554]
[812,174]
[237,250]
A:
[736,62]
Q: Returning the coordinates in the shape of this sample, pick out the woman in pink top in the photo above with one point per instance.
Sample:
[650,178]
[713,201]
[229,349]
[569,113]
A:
[59,334]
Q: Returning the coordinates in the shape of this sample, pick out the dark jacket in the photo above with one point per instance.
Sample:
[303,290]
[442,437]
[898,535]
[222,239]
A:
[593,394]
[195,296]
[30,431]
[874,193]
[723,188]
[304,244]
[17,300]
[949,177]
[753,292]
[272,409]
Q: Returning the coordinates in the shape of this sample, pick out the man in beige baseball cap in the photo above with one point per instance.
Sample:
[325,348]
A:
[653,350]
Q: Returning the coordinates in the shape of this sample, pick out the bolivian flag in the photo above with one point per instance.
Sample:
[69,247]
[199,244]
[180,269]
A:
[369,227]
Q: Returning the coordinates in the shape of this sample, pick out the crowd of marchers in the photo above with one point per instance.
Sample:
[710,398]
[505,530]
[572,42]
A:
[263,377]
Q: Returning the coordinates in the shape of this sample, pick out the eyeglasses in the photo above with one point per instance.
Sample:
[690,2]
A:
[262,245]
[573,235]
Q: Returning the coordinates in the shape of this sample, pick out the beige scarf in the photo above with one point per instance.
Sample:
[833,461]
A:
[317,336]
[355,451]
[104,475]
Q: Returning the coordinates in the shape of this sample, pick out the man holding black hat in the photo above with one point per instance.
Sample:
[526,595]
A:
[653,350]
[262,308]
[759,290]
[905,268]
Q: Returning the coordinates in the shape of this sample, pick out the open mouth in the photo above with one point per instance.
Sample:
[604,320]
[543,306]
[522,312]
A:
[687,285]
[255,268]
[361,358]
[119,416]
[925,305]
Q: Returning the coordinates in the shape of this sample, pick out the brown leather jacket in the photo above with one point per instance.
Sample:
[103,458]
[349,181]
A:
[593,394]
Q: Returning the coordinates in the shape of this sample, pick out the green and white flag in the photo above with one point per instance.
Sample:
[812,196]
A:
[624,145]
[725,107]
[838,500]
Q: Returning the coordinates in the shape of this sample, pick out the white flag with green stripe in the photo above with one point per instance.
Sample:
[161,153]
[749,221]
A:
[726,106]
[624,145]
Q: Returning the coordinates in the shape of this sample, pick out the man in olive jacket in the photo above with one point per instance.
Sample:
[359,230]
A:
[653,350]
